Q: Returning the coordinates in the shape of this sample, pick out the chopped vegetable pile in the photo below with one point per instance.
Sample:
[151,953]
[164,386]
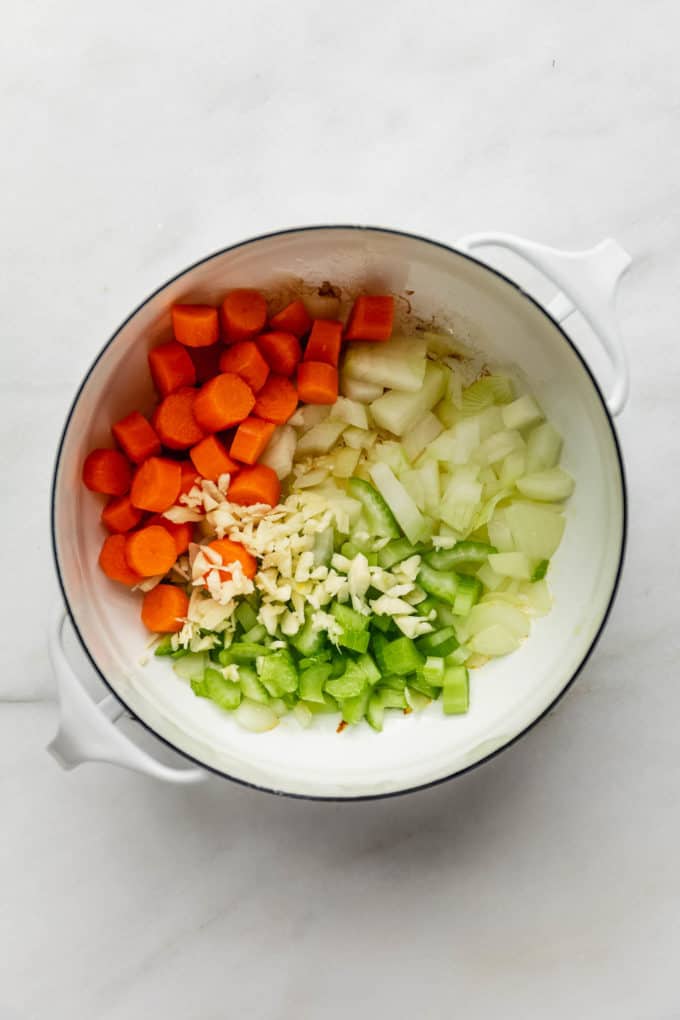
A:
[421,506]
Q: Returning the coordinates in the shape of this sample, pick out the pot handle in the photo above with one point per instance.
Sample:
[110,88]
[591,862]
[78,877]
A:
[87,730]
[587,281]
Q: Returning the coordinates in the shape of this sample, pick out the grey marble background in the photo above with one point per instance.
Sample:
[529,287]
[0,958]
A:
[136,138]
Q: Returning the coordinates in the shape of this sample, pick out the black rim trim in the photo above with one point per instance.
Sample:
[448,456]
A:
[624,529]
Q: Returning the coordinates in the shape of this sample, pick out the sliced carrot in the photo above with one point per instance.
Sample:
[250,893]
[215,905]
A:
[258,484]
[244,313]
[277,400]
[245,360]
[189,477]
[113,562]
[150,551]
[210,458]
[107,471]
[317,383]
[233,552]
[294,318]
[164,608]
[171,368]
[223,401]
[206,361]
[156,484]
[120,515]
[251,439]
[371,318]
[136,437]
[182,534]
[281,351]
[324,342]
[175,422]
[195,325]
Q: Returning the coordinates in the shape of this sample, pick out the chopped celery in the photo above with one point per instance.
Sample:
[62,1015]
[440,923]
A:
[256,635]
[181,652]
[351,684]
[521,412]
[308,641]
[396,551]
[324,707]
[315,660]
[462,552]
[375,712]
[191,666]
[303,714]
[164,646]
[382,623]
[427,606]
[439,642]
[312,682]
[400,656]
[323,547]
[349,550]
[434,582]
[467,594]
[432,670]
[354,708]
[401,505]
[394,682]
[278,673]
[417,701]
[457,658]
[551,486]
[418,682]
[540,570]
[380,518]
[391,698]
[255,717]
[354,634]
[242,651]
[338,665]
[245,615]
[251,686]
[456,690]
[223,692]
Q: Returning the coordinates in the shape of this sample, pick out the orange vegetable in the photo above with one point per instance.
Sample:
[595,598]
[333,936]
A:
[281,351]
[317,383]
[294,318]
[223,401]
[120,515]
[206,361]
[258,484]
[136,437]
[189,476]
[371,318]
[113,562]
[107,471]
[324,342]
[156,484]
[233,552]
[244,313]
[181,534]
[150,551]
[251,439]
[163,608]
[211,459]
[195,325]
[175,422]
[171,368]
[244,359]
[277,400]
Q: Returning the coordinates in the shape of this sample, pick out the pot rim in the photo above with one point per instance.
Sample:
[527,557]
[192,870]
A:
[624,507]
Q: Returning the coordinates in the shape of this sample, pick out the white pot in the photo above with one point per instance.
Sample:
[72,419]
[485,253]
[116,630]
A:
[507,696]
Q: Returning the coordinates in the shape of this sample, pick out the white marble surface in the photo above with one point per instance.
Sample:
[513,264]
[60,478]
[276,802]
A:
[137,138]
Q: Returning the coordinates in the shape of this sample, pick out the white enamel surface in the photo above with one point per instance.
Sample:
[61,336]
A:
[507,695]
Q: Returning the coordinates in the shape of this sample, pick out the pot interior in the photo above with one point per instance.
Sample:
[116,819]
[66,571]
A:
[506,695]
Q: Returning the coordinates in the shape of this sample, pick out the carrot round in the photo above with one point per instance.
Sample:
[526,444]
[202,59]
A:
[277,400]
[294,318]
[189,476]
[164,608]
[150,551]
[281,351]
[136,437]
[107,471]
[258,484]
[210,458]
[195,325]
[181,534]
[119,515]
[251,439]
[371,318]
[324,342]
[317,383]
[113,562]
[156,484]
[233,552]
[175,422]
[244,313]
[206,361]
[245,360]
[171,367]
[223,401]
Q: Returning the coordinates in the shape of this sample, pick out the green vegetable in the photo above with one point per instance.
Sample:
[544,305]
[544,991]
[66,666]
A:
[164,646]
[278,673]
[251,686]
[467,594]
[400,656]
[241,651]
[415,526]
[312,682]
[381,623]
[375,712]
[214,686]
[435,582]
[432,671]
[354,634]
[456,690]
[439,642]
[380,518]
[539,572]
[308,641]
[245,615]
[394,682]
[191,666]
[354,708]
[351,684]
[396,551]
[462,552]
[256,634]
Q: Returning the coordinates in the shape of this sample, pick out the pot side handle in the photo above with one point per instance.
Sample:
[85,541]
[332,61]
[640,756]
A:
[587,281]
[87,730]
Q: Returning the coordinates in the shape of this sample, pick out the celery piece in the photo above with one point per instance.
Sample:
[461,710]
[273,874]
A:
[351,684]
[456,691]
[378,644]
[396,551]
[323,547]
[349,550]
[245,615]
[164,646]
[401,656]
[367,665]
[355,634]
[432,670]
[278,673]
[467,594]
[191,666]
[393,682]
[428,605]
[223,692]
[416,699]
[403,507]
[255,635]
[539,572]
[381,623]
[180,653]
[434,582]
[418,682]
[328,705]
[354,708]
[438,642]
[312,681]
[251,686]
[391,698]
[375,712]
[380,518]
[242,651]
[338,665]
[462,552]
[308,641]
